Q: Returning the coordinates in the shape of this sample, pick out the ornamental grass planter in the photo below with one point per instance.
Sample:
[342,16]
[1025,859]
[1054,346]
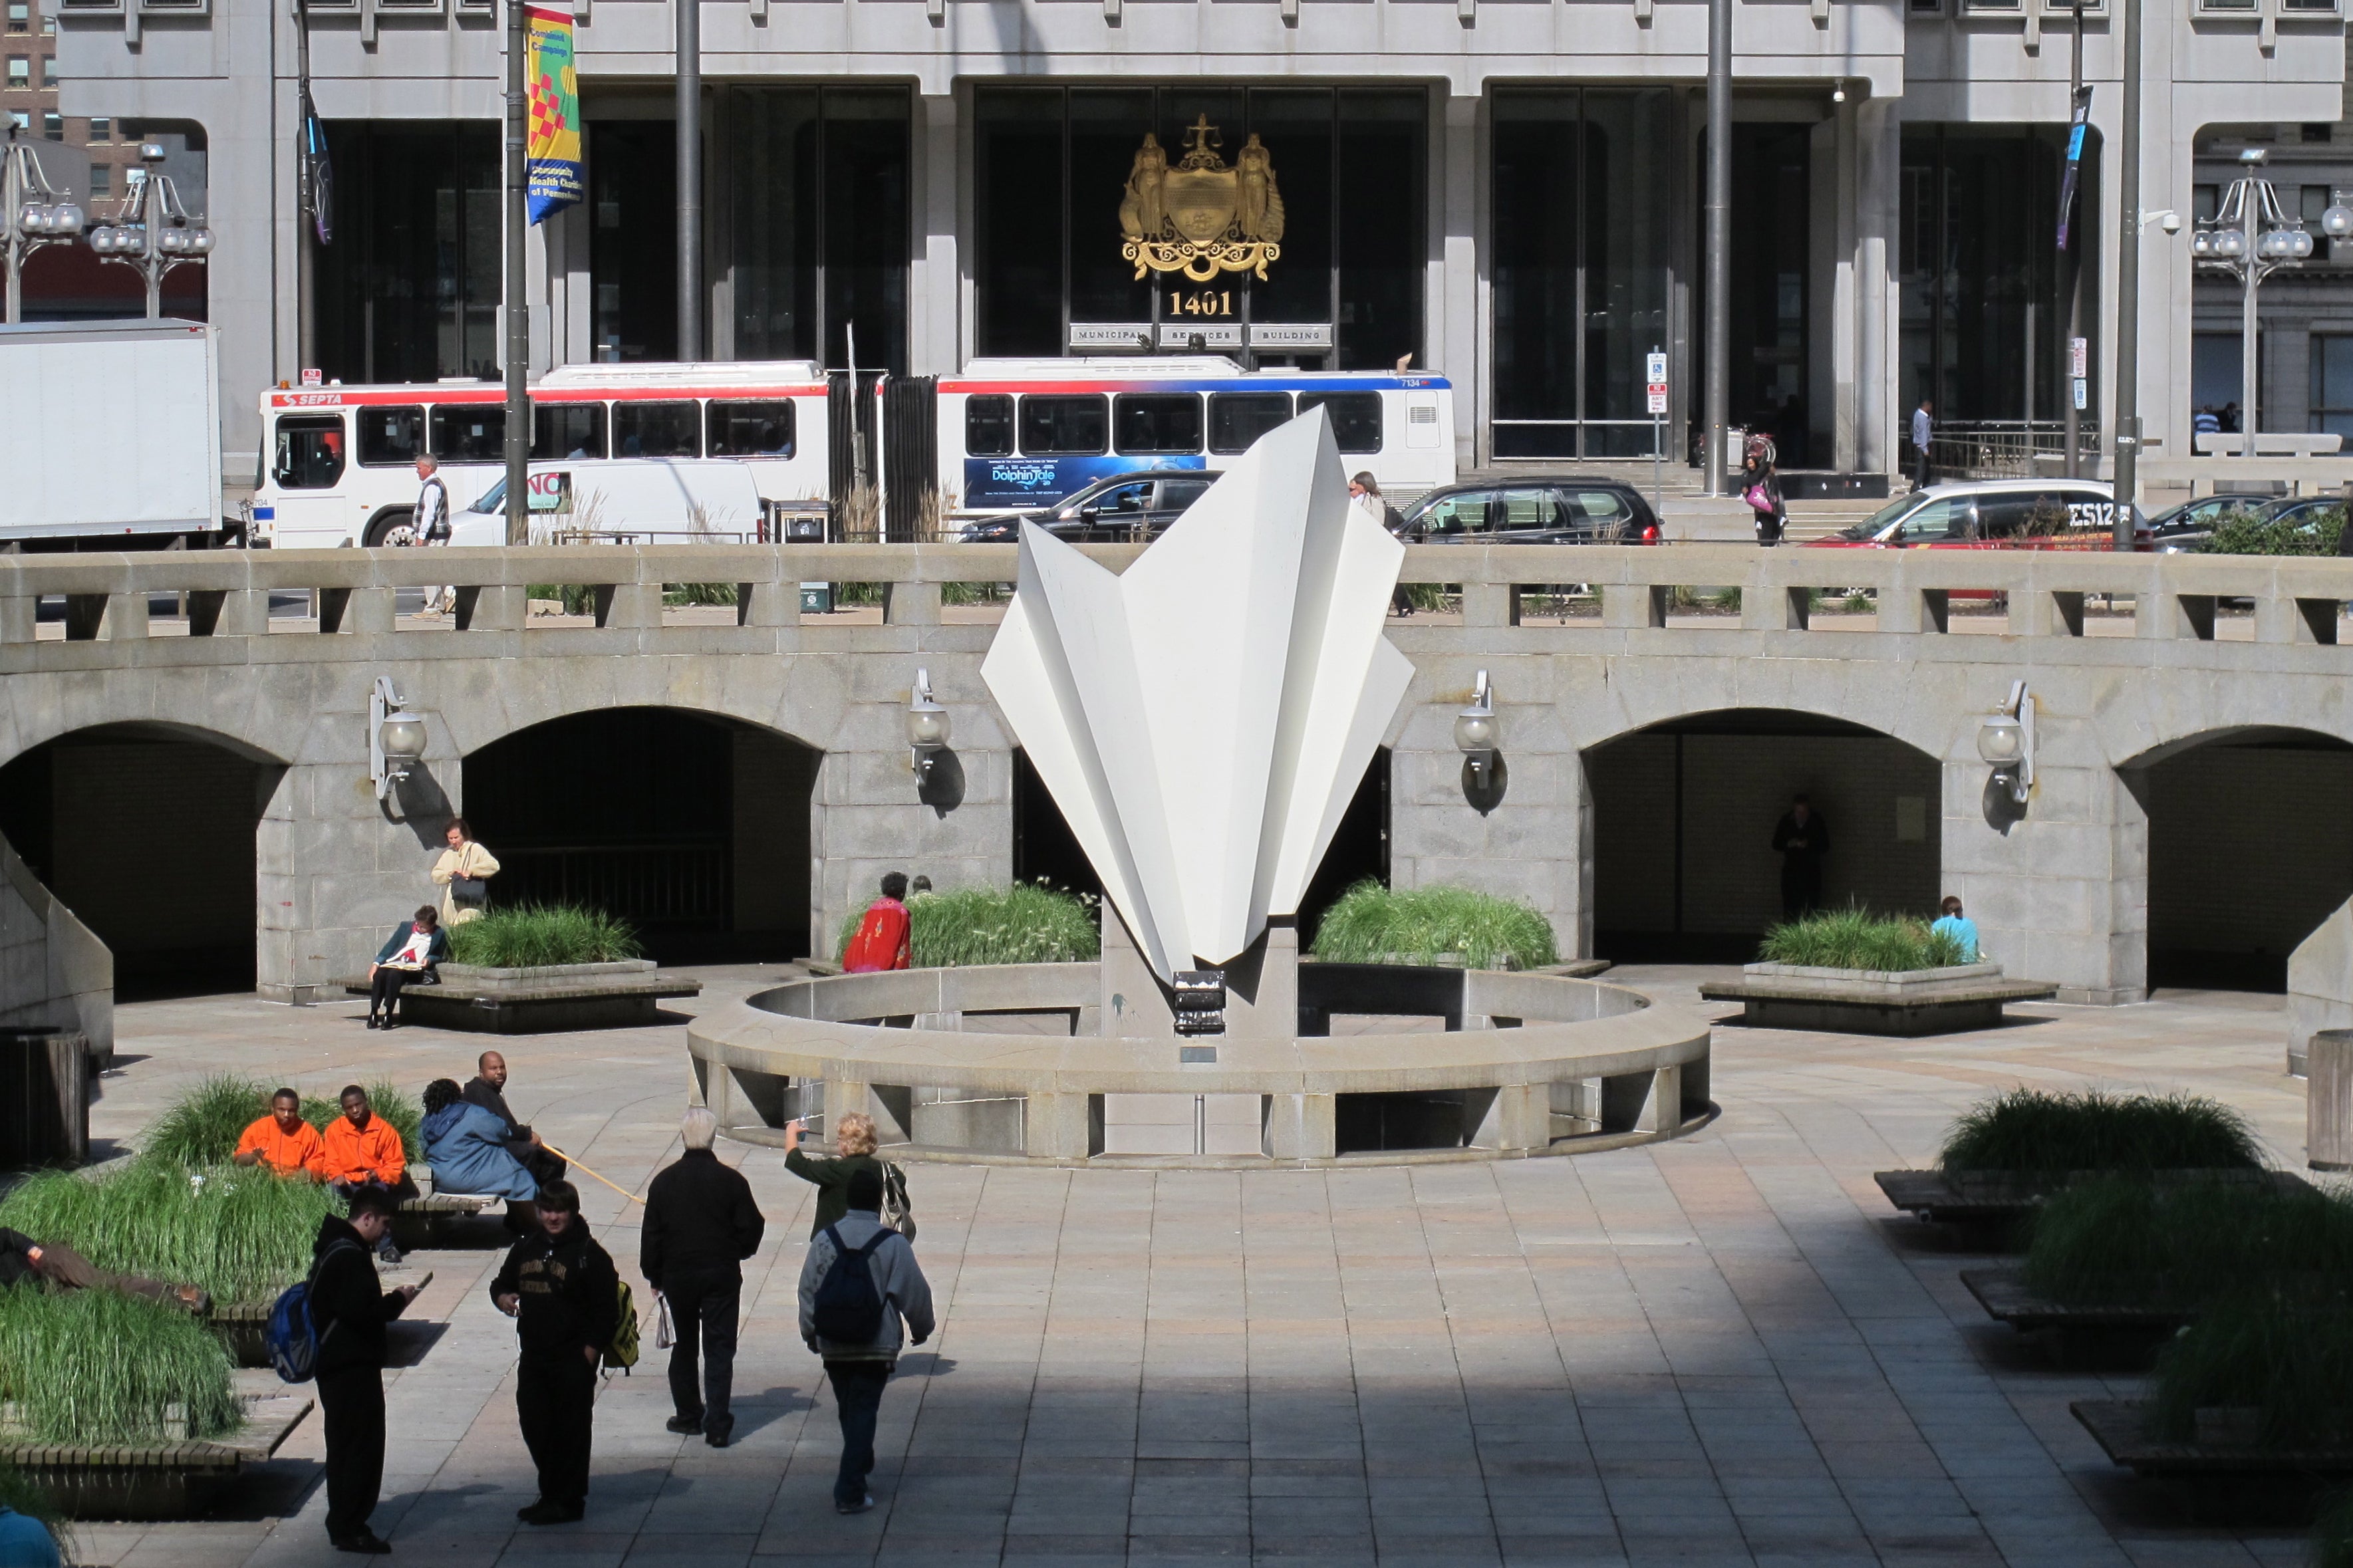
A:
[161,1480]
[544,999]
[1906,1002]
[1999,1198]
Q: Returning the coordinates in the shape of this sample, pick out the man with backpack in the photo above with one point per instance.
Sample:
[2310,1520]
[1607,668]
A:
[561,1288]
[860,1284]
[885,935]
[349,1309]
[700,1225]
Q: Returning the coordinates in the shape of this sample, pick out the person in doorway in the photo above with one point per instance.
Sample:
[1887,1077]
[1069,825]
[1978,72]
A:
[463,873]
[429,524]
[1761,486]
[466,1147]
[363,1153]
[1923,428]
[283,1141]
[1801,838]
[1952,922]
[2230,417]
[885,935]
[488,1088]
[349,1308]
[859,1368]
[853,1142]
[24,1261]
[699,1225]
[562,1290]
[409,956]
[2206,422]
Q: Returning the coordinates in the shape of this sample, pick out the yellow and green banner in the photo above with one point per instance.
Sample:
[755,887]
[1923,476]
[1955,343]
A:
[553,168]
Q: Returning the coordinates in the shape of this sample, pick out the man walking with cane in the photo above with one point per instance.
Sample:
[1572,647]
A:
[701,1224]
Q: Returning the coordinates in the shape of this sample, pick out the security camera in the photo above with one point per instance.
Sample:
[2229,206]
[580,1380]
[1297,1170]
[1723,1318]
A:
[2172,223]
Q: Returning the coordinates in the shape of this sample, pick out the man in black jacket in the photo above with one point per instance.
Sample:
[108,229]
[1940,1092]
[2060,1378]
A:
[1801,838]
[561,1288]
[488,1090]
[701,1224]
[350,1309]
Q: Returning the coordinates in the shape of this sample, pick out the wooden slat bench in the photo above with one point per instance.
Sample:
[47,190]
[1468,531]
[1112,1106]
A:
[154,1481]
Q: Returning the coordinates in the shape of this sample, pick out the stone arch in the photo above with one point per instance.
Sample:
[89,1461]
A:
[2248,848]
[1682,812]
[148,832]
[694,825]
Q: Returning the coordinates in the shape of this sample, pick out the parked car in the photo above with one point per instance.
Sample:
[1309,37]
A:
[1994,514]
[2187,526]
[1132,506]
[1537,511]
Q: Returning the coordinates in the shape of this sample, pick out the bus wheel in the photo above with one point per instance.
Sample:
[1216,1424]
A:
[394,528]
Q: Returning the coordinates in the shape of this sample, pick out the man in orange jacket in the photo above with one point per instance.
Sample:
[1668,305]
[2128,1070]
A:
[885,938]
[363,1149]
[283,1141]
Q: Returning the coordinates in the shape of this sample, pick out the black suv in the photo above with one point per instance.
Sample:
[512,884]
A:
[1534,511]
[1115,511]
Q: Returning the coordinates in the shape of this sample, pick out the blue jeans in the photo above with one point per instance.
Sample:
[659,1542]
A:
[857,1391]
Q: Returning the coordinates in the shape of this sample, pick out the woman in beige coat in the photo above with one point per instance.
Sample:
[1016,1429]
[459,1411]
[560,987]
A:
[464,860]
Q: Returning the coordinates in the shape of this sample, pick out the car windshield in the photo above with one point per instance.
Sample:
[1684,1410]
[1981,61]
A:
[1876,523]
[493,499]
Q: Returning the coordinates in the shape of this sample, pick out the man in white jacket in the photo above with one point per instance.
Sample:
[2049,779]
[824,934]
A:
[858,1368]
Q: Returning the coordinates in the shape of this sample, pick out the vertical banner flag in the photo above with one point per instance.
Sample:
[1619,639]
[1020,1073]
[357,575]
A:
[553,168]
[318,174]
[2075,160]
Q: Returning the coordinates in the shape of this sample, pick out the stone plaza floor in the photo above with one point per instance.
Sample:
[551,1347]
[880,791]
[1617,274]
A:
[1724,1350]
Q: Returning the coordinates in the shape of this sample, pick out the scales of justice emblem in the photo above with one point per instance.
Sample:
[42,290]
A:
[1201,217]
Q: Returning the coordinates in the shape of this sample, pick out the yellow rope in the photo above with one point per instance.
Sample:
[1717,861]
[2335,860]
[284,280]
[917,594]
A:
[576,1165]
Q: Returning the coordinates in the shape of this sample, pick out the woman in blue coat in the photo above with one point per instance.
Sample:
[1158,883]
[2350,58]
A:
[466,1146]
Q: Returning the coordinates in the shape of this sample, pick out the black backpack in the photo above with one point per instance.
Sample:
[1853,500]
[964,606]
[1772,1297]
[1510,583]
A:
[849,1308]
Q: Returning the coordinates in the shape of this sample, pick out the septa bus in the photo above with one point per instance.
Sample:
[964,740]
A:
[1016,434]
[338,463]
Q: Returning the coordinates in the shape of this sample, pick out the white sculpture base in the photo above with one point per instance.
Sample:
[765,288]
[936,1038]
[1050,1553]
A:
[1261,988]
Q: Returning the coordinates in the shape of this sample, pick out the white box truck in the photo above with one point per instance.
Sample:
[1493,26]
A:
[110,436]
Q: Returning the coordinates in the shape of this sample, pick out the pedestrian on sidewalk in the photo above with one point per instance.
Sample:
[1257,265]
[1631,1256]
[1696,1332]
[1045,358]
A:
[699,1225]
[860,1332]
[1761,486]
[885,935]
[488,1088]
[364,1152]
[563,1293]
[1801,838]
[463,873]
[853,1142]
[1923,427]
[349,1308]
[429,523]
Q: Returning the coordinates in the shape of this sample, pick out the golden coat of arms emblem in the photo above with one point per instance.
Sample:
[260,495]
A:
[1201,217]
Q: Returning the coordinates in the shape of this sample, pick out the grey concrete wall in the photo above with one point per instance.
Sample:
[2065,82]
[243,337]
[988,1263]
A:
[53,972]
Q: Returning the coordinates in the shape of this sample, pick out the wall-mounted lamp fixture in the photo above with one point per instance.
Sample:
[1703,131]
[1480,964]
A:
[2006,741]
[395,737]
[1476,733]
[927,728]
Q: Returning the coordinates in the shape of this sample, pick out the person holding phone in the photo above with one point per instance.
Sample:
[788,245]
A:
[853,1138]
[349,1307]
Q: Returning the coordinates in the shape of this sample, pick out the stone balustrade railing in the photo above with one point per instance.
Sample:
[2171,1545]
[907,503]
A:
[225,594]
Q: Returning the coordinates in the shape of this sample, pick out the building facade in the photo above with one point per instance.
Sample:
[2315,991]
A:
[1507,192]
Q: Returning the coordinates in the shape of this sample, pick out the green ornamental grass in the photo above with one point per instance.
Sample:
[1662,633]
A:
[1855,938]
[2120,1240]
[2036,1131]
[2289,1356]
[1434,925]
[1025,923]
[2244,533]
[531,936]
[2332,1533]
[242,1234]
[95,1366]
[202,1127]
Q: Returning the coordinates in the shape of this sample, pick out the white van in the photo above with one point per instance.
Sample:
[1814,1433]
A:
[641,502]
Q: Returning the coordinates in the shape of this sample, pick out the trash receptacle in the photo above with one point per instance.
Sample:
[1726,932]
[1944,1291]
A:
[2328,1101]
[44,1098]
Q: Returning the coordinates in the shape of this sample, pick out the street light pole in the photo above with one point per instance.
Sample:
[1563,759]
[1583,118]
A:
[1716,395]
[2127,486]
[150,232]
[31,214]
[689,178]
[2251,237]
[518,305]
[2074,281]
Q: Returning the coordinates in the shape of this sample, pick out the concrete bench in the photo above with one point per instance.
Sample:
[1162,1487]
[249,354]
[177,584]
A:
[1864,1002]
[546,1000]
[168,1480]
[2120,1427]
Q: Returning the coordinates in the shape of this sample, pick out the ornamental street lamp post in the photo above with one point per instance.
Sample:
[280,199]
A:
[2250,238]
[150,231]
[32,213]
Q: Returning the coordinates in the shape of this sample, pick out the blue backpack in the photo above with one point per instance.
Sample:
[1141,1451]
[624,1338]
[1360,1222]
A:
[847,1309]
[293,1334]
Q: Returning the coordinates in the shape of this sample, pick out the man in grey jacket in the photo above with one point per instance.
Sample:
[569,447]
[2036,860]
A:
[858,1370]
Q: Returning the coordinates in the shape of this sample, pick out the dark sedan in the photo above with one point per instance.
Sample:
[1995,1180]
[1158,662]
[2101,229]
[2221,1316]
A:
[1125,507]
[1535,512]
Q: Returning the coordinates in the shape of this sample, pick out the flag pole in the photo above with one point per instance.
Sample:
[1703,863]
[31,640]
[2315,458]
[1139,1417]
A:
[518,309]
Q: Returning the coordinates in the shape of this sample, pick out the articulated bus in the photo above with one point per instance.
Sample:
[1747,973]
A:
[338,463]
[1013,434]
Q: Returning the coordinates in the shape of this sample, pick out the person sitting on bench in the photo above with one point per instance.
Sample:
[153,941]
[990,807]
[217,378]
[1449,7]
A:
[466,1147]
[24,1260]
[283,1141]
[408,957]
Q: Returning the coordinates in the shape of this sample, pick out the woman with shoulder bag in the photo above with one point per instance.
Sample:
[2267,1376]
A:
[463,873]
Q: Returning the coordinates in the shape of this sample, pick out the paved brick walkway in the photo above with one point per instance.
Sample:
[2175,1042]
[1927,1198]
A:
[1724,1350]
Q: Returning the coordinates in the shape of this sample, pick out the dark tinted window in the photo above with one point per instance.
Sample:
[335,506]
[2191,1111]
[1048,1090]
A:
[988,425]
[656,430]
[1605,510]
[1356,417]
[391,435]
[1239,418]
[567,430]
[1466,513]
[310,454]
[1176,495]
[469,432]
[1164,423]
[751,429]
[1130,497]
[1069,425]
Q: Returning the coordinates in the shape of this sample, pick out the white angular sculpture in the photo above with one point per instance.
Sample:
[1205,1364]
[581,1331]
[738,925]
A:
[1204,719]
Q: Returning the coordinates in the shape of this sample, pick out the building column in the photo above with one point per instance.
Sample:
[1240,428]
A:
[1879,174]
[1456,301]
[1846,299]
[935,283]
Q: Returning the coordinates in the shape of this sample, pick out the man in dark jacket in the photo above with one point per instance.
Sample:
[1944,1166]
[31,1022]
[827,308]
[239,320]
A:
[859,1369]
[700,1225]
[1801,838]
[561,1288]
[488,1090]
[23,1260]
[350,1308]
